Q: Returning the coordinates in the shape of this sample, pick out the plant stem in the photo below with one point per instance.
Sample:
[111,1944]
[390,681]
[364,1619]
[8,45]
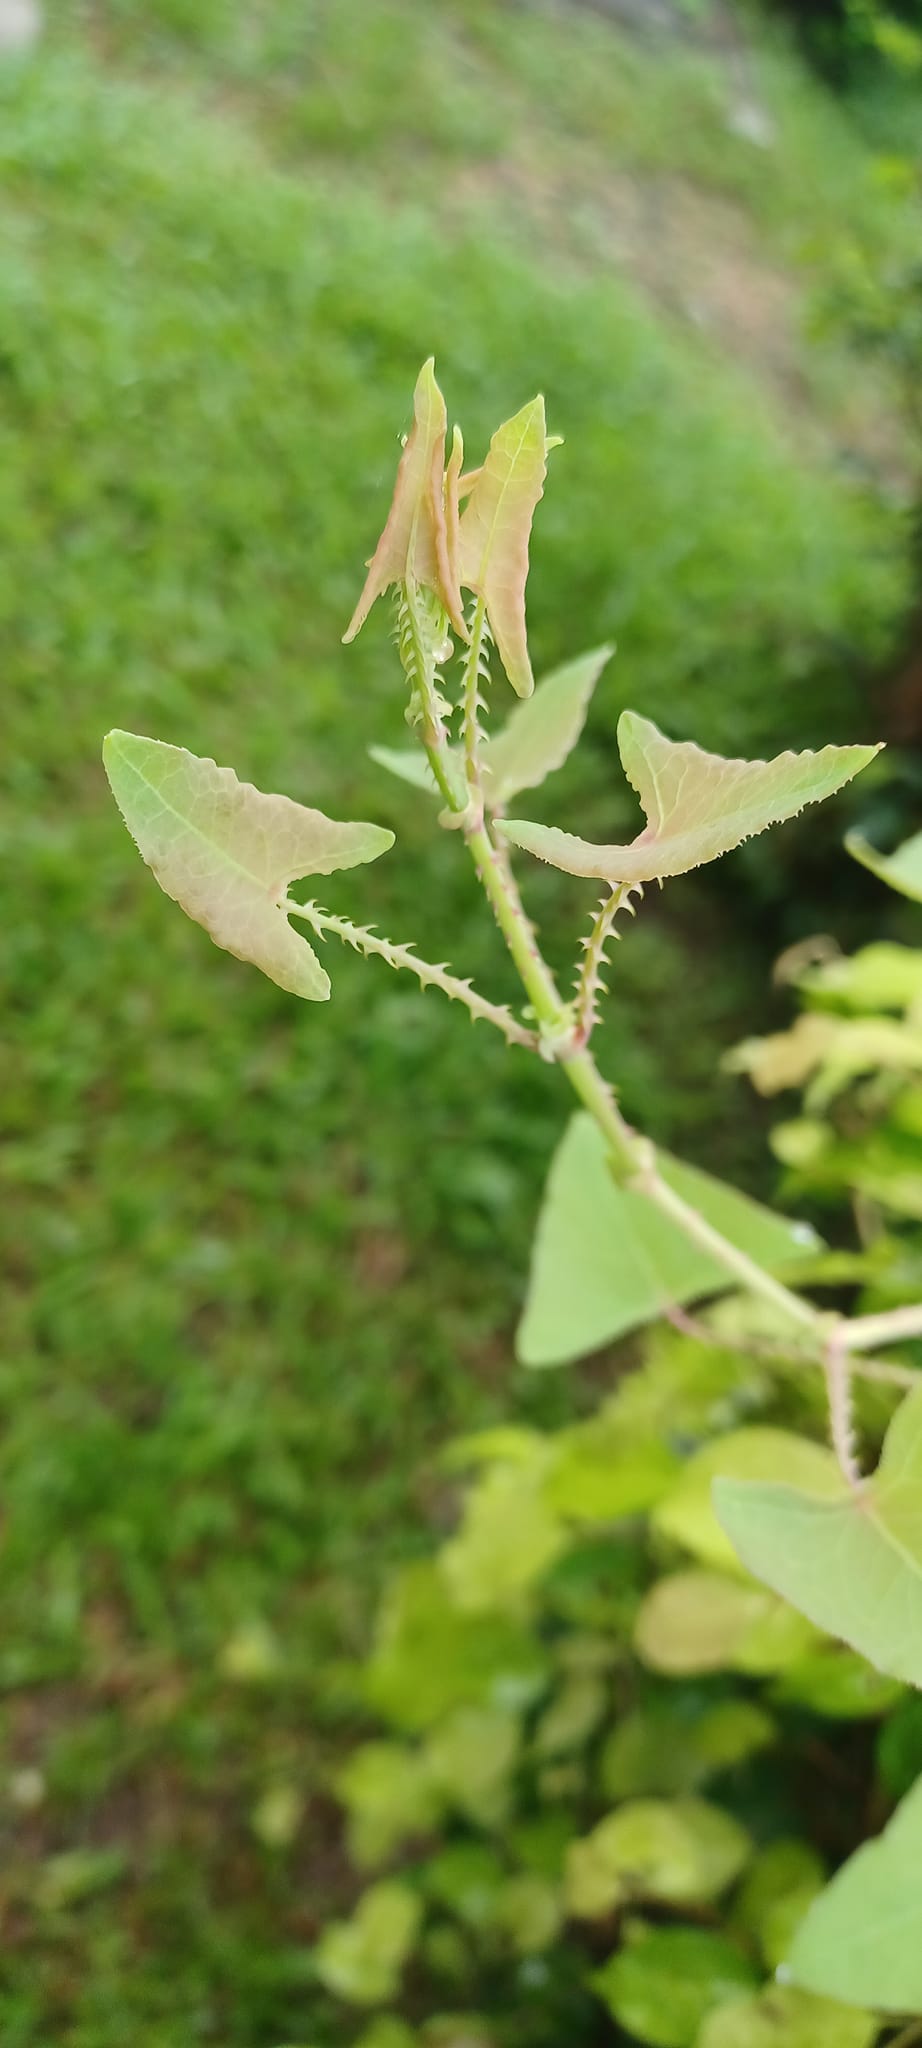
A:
[368,942]
[864,1332]
[589,978]
[471,697]
[500,887]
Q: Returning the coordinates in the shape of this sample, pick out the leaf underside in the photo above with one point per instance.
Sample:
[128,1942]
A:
[227,853]
[854,1567]
[901,870]
[697,805]
[605,1260]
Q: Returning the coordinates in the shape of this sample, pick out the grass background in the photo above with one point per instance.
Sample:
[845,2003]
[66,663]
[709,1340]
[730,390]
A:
[260,1259]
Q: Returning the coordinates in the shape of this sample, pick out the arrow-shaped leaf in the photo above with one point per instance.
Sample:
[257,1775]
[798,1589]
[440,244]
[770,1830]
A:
[540,733]
[226,853]
[495,529]
[853,1566]
[605,1260]
[697,805]
[861,1939]
[414,546]
[901,870]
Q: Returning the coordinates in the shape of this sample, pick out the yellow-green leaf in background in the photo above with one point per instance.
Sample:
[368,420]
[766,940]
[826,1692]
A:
[664,1981]
[783,2017]
[226,852]
[697,1621]
[686,1512]
[678,1850]
[362,1959]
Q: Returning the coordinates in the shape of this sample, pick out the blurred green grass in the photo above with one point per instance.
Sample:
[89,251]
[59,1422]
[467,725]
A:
[259,1258]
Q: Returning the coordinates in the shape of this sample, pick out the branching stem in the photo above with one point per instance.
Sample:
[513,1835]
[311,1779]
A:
[368,942]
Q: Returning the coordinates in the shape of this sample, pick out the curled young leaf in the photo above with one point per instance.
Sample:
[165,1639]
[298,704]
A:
[226,852]
[494,534]
[697,805]
[414,547]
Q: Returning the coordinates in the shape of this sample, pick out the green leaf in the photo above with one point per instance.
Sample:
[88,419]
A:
[540,733]
[573,1715]
[862,1938]
[778,1888]
[605,1259]
[901,870]
[409,764]
[697,805]
[467,1878]
[389,1795]
[686,1514]
[495,530]
[529,1913]
[783,2017]
[663,1749]
[662,1985]
[429,1658]
[596,1476]
[854,1566]
[838,1684]
[698,1621]
[508,1538]
[362,1959]
[471,1757]
[679,1850]
[226,853]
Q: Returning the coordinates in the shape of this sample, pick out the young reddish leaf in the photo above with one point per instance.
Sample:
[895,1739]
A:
[226,853]
[494,534]
[697,805]
[414,546]
[539,734]
[853,1566]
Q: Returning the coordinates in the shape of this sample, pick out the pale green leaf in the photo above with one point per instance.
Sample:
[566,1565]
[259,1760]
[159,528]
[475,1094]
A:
[389,1795]
[495,530]
[573,1715]
[540,733]
[783,2017]
[226,853]
[470,1758]
[362,1959]
[605,1259]
[680,1850]
[883,976]
[686,1513]
[697,805]
[665,1981]
[901,870]
[697,1621]
[409,764]
[854,1566]
[861,1940]
[596,1476]
[508,1538]
[838,1684]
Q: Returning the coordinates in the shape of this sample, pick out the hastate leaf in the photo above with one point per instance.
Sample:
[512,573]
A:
[605,1260]
[861,1939]
[901,870]
[697,805]
[494,533]
[540,733]
[226,852]
[853,1566]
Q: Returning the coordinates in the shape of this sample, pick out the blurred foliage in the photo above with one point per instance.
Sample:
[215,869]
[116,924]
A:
[228,234]
[844,37]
